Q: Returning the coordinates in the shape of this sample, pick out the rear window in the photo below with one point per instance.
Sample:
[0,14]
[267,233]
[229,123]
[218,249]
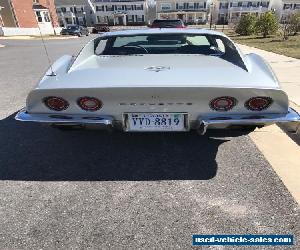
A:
[73,27]
[169,43]
[162,44]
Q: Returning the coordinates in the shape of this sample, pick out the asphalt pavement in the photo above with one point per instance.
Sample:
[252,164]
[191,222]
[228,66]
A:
[100,190]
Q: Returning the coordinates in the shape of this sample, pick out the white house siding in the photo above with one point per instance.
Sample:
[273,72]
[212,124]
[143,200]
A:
[116,12]
[73,14]
[289,7]
[230,11]
[191,12]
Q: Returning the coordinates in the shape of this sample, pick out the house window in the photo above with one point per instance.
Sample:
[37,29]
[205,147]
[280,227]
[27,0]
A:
[46,17]
[109,8]
[39,16]
[139,7]
[99,8]
[128,7]
[139,18]
[130,18]
[287,6]
[118,7]
[191,6]
[165,6]
[63,9]
[297,6]
[179,6]
[223,6]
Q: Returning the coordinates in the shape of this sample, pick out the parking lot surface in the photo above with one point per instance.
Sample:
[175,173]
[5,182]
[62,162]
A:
[99,190]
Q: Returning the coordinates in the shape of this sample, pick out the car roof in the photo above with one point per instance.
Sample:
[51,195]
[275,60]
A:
[162,31]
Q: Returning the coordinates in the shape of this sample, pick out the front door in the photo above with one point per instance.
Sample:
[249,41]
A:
[44,21]
[120,20]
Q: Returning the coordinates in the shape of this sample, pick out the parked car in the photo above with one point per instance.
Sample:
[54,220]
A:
[99,28]
[75,30]
[159,80]
[167,23]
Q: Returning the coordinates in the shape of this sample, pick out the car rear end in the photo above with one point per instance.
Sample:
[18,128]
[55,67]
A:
[162,23]
[159,92]
[159,108]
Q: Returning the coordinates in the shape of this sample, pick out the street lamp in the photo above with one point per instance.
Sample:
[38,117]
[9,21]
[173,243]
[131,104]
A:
[211,10]
[84,18]
[75,12]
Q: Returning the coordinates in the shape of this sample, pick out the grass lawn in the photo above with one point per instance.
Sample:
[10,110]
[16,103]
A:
[275,44]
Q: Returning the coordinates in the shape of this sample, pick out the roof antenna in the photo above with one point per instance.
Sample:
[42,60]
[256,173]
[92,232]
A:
[46,51]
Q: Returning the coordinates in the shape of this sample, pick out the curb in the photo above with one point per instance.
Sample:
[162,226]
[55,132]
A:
[37,38]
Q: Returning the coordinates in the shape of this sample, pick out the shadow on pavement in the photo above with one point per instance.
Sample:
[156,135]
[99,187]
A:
[36,152]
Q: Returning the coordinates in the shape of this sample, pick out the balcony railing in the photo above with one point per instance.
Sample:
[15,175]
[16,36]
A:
[70,13]
[248,9]
[183,9]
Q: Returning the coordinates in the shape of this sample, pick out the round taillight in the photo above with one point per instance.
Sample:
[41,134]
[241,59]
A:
[223,103]
[56,103]
[258,103]
[89,103]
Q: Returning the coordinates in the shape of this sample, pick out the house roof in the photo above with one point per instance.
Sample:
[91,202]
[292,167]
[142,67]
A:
[39,7]
[70,2]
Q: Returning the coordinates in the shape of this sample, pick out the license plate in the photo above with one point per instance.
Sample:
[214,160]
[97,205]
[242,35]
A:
[156,122]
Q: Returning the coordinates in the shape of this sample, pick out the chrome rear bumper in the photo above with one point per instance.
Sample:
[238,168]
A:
[254,120]
[63,119]
[203,123]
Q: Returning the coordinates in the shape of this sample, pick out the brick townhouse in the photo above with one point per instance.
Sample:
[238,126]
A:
[28,14]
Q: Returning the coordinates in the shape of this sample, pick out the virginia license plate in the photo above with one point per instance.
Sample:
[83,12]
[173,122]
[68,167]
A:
[156,122]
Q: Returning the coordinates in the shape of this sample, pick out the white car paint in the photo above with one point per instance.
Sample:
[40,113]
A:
[186,83]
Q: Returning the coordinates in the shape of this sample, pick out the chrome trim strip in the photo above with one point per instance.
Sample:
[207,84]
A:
[205,122]
[22,115]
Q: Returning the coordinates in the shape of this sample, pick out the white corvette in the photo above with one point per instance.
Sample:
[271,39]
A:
[159,80]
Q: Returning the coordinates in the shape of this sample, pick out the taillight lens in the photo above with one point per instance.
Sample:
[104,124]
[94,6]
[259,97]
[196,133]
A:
[89,103]
[223,103]
[258,103]
[56,103]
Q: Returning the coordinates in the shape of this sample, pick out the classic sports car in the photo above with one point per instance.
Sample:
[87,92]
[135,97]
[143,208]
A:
[159,80]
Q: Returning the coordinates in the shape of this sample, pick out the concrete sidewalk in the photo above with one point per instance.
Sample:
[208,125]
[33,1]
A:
[287,69]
